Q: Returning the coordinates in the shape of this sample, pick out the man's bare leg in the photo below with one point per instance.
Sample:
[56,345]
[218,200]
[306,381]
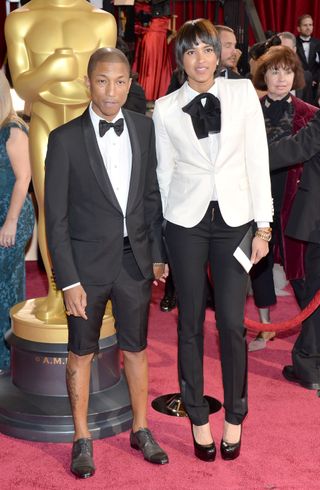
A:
[136,369]
[78,379]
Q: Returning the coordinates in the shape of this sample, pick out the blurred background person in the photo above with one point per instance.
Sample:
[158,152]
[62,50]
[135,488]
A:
[278,71]
[308,50]
[16,211]
[288,39]
[229,54]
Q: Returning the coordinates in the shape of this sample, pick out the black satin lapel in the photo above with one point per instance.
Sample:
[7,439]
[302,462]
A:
[136,158]
[96,161]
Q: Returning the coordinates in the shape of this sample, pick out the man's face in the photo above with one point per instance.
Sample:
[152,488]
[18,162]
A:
[306,27]
[289,43]
[228,57]
[109,84]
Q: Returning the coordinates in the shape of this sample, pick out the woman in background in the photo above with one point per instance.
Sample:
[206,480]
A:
[279,71]
[16,212]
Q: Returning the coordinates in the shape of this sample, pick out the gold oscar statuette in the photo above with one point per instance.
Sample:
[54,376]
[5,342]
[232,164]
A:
[49,44]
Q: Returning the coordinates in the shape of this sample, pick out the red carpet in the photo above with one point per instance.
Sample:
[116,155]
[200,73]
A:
[280,445]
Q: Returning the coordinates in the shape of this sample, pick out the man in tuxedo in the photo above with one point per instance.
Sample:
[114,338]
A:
[228,57]
[103,220]
[308,50]
[304,225]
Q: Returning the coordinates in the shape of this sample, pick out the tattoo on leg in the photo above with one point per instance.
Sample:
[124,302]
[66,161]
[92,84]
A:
[72,386]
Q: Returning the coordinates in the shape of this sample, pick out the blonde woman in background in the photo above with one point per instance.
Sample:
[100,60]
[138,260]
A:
[16,212]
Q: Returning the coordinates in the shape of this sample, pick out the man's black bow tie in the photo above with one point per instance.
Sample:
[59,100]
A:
[205,119]
[305,40]
[104,126]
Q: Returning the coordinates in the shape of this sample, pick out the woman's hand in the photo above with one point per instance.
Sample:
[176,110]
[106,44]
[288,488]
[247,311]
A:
[8,233]
[260,249]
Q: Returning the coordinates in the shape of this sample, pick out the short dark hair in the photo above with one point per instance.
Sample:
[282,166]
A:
[191,33]
[275,57]
[302,17]
[113,55]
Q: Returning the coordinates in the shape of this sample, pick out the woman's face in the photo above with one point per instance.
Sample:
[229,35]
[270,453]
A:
[199,63]
[279,81]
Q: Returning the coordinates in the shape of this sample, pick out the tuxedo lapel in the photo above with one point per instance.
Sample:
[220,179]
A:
[96,161]
[136,158]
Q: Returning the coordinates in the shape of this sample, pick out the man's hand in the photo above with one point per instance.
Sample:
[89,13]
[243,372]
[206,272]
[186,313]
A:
[260,248]
[160,272]
[75,300]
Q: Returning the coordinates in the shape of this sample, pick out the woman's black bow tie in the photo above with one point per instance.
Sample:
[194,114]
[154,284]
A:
[276,108]
[205,119]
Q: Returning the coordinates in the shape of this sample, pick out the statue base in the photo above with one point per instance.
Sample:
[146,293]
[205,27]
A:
[34,403]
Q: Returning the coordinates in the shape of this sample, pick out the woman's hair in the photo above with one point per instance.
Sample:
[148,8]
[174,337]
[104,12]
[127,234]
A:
[278,57]
[7,112]
[193,32]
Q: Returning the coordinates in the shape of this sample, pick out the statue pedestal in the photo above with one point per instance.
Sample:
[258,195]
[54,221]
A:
[34,403]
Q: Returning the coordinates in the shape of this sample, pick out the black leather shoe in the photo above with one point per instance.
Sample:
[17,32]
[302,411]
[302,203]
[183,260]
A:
[82,458]
[168,303]
[205,452]
[143,441]
[230,451]
[289,374]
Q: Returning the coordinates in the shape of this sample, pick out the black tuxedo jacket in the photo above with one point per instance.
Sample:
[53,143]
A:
[311,65]
[84,221]
[304,146]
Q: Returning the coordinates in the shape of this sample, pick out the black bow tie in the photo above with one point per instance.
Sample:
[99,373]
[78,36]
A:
[276,109]
[205,118]
[104,126]
[305,40]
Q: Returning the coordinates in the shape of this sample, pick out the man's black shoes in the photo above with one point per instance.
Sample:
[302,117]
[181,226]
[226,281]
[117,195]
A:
[82,458]
[152,452]
[289,374]
[168,303]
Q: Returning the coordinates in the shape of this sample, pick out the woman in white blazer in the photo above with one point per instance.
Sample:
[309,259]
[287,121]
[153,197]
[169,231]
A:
[213,173]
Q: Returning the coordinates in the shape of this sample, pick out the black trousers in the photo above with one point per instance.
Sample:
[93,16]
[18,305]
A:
[306,350]
[190,250]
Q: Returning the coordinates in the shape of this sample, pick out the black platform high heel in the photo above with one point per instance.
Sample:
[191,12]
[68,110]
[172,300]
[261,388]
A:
[205,452]
[230,451]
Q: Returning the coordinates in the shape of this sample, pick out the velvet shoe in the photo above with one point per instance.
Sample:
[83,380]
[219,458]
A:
[143,441]
[289,374]
[168,303]
[82,458]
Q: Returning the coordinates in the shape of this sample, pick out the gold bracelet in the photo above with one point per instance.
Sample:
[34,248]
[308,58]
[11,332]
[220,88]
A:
[264,235]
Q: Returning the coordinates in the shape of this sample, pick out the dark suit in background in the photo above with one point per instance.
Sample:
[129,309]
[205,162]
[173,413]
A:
[310,65]
[304,225]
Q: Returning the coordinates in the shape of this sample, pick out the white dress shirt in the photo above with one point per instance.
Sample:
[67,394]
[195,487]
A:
[210,144]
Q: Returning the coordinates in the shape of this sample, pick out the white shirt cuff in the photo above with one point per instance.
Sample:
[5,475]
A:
[71,286]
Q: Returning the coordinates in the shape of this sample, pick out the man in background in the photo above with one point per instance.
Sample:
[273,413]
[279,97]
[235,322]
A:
[308,50]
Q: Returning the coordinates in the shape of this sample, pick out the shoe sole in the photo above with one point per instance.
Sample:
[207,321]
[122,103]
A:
[304,384]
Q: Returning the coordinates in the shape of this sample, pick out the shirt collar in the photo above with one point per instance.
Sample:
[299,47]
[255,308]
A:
[191,93]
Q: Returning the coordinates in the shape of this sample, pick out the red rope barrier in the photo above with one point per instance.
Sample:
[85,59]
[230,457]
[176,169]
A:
[286,324]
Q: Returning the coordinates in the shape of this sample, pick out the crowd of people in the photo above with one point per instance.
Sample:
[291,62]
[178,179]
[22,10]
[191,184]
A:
[125,195]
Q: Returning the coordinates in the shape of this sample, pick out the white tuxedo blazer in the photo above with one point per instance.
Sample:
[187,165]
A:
[241,171]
